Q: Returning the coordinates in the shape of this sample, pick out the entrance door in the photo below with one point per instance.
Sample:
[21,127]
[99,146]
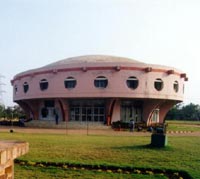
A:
[127,113]
[131,112]
[86,114]
[87,110]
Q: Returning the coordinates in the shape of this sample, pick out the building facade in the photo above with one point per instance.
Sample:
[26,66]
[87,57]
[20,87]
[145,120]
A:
[99,89]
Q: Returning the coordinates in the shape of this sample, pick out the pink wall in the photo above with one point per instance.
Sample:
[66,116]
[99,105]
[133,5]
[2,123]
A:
[85,85]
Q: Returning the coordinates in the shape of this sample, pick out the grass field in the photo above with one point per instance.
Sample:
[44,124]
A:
[181,154]
[183,125]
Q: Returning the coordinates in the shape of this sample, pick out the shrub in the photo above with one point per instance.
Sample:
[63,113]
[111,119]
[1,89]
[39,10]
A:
[120,125]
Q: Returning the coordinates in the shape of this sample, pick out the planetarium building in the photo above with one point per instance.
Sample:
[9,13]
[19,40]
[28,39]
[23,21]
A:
[99,89]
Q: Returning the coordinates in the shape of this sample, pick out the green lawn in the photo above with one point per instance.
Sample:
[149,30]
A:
[174,125]
[182,153]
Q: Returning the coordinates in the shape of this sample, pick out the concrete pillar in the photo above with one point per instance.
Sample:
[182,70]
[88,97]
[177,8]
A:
[164,108]
[116,116]
[65,109]
[10,150]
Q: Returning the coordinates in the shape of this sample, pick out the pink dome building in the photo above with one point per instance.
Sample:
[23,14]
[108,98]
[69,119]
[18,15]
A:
[99,89]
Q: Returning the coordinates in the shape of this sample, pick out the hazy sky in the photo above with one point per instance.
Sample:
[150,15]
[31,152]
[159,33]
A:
[34,33]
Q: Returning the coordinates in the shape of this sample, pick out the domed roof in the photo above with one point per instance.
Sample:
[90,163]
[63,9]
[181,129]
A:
[92,62]
[102,59]
[86,61]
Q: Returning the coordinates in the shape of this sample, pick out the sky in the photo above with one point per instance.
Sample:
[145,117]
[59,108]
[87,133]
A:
[34,33]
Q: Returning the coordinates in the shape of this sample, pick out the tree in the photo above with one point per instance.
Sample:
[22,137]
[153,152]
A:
[2,111]
[175,112]
[191,112]
[11,112]
[18,111]
[184,112]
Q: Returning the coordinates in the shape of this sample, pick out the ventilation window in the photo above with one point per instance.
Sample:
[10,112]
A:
[26,87]
[176,86]
[158,84]
[101,82]
[132,82]
[44,84]
[70,83]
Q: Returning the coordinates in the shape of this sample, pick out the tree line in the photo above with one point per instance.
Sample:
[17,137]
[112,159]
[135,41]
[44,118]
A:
[14,112]
[180,111]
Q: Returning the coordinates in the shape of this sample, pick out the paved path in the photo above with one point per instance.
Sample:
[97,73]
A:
[106,132]
[110,132]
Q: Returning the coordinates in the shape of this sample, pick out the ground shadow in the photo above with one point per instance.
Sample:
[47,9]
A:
[147,147]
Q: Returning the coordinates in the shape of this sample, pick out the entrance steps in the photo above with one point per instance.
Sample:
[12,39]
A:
[64,125]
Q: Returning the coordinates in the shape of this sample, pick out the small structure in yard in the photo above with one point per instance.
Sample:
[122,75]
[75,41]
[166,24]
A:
[159,137]
[10,150]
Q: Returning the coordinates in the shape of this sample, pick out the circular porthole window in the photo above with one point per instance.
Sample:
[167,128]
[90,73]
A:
[101,82]
[132,82]
[44,84]
[70,83]
[26,87]
[158,84]
[176,86]
[15,89]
